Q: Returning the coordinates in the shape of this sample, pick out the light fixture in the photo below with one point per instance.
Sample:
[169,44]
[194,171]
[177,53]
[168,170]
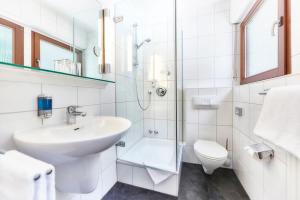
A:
[104,67]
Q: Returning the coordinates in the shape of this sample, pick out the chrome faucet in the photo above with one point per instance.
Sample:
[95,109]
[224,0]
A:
[72,113]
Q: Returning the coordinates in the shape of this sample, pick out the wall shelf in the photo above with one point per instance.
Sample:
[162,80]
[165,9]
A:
[54,72]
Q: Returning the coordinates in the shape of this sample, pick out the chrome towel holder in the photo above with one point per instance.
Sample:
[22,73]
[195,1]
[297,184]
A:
[2,152]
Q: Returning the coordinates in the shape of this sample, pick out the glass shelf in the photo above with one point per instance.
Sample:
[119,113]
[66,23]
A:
[54,72]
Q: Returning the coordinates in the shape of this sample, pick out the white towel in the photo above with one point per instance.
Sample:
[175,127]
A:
[16,180]
[17,173]
[158,176]
[279,120]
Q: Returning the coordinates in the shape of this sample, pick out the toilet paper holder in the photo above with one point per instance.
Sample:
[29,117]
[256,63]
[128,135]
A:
[260,150]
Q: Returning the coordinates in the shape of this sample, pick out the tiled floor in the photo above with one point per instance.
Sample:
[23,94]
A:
[194,185]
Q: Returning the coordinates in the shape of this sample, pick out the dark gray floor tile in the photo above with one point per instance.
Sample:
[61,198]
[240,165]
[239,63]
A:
[194,185]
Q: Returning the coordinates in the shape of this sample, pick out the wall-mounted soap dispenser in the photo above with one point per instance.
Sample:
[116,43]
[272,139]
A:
[44,106]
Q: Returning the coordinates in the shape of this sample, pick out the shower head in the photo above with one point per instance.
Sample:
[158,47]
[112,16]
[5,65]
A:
[148,40]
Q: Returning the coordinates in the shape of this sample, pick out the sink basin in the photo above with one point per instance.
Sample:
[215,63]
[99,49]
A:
[70,147]
[88,137]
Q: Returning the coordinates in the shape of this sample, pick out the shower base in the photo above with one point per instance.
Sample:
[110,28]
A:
[159,154]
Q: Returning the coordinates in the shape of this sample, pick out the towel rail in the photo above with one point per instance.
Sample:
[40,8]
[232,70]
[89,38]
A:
[37,177]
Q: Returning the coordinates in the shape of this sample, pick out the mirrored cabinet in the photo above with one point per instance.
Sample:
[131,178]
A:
[59,40]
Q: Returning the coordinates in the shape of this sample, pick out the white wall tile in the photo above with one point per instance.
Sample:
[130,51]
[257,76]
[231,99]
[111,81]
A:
[169,186]
[109,178]
[207,132]
[223,113]
[18,96]
[63,96]
[274,186]
[142,179]
[88,96]
[224,134]
[124,173]
[191,133]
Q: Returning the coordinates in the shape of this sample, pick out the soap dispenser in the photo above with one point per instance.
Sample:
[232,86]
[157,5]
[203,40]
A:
[44,106]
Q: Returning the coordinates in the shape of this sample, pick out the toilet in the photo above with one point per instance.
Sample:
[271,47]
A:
[211,155]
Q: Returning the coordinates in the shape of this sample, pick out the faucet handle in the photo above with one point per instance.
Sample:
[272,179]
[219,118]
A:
[72,108]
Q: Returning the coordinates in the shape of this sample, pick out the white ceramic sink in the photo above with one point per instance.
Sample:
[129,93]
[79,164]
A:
[69,147]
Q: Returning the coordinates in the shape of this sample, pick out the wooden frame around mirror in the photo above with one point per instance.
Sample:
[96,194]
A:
[284,55]
[18,40]
[35,47]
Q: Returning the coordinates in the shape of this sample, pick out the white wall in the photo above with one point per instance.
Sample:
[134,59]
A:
[277,179]
[208,63]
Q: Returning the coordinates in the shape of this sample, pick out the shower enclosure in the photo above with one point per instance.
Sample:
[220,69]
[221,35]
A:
[149,83]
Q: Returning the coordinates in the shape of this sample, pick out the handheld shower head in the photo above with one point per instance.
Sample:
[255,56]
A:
[148,40]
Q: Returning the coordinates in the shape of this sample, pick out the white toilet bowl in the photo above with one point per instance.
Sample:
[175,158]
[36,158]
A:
[211,155]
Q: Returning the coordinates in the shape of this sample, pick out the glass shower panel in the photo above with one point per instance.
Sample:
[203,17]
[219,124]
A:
[147,86]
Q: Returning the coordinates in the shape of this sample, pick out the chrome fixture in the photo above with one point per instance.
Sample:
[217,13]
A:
[135,63]
[161,91]
[156,132]
[265,92]
[238,111]
[150,131]
[121,144]
[118,19]
[261,151]
[44,106]
[138,46]
[72,113]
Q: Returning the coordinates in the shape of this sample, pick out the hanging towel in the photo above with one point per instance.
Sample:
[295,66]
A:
[17,180]
[158,176]
[279,120]
[47,171]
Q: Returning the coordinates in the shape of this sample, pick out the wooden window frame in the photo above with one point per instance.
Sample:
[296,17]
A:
[18,41]
[284,58]
[35,47]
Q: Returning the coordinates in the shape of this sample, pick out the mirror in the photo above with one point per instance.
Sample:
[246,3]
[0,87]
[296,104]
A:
[51,35]
[87,40]
[264,41]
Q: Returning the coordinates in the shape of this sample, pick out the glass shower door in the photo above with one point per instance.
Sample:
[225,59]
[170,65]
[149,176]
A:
[148,88]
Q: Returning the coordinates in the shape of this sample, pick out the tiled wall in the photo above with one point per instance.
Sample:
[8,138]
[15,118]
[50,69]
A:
[277,179]
[208,63]
[158,60]
[127,105]
[19,90]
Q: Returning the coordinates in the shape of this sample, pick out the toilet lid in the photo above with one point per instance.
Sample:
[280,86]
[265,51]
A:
[210,149]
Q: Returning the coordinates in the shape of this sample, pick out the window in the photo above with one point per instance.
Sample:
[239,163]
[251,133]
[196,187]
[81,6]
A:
[11,42]
[265,41]
[51,54]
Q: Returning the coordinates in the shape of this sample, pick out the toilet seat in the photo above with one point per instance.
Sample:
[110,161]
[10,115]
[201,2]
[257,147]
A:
[210,150]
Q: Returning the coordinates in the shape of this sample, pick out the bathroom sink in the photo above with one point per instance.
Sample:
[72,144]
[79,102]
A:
[90,136]
[73,149]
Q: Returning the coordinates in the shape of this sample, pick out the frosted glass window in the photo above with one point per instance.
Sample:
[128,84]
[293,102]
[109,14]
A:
[6,44]
[262,40]
[50,53]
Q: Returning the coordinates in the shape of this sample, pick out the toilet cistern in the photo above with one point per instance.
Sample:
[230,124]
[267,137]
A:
[72,113]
